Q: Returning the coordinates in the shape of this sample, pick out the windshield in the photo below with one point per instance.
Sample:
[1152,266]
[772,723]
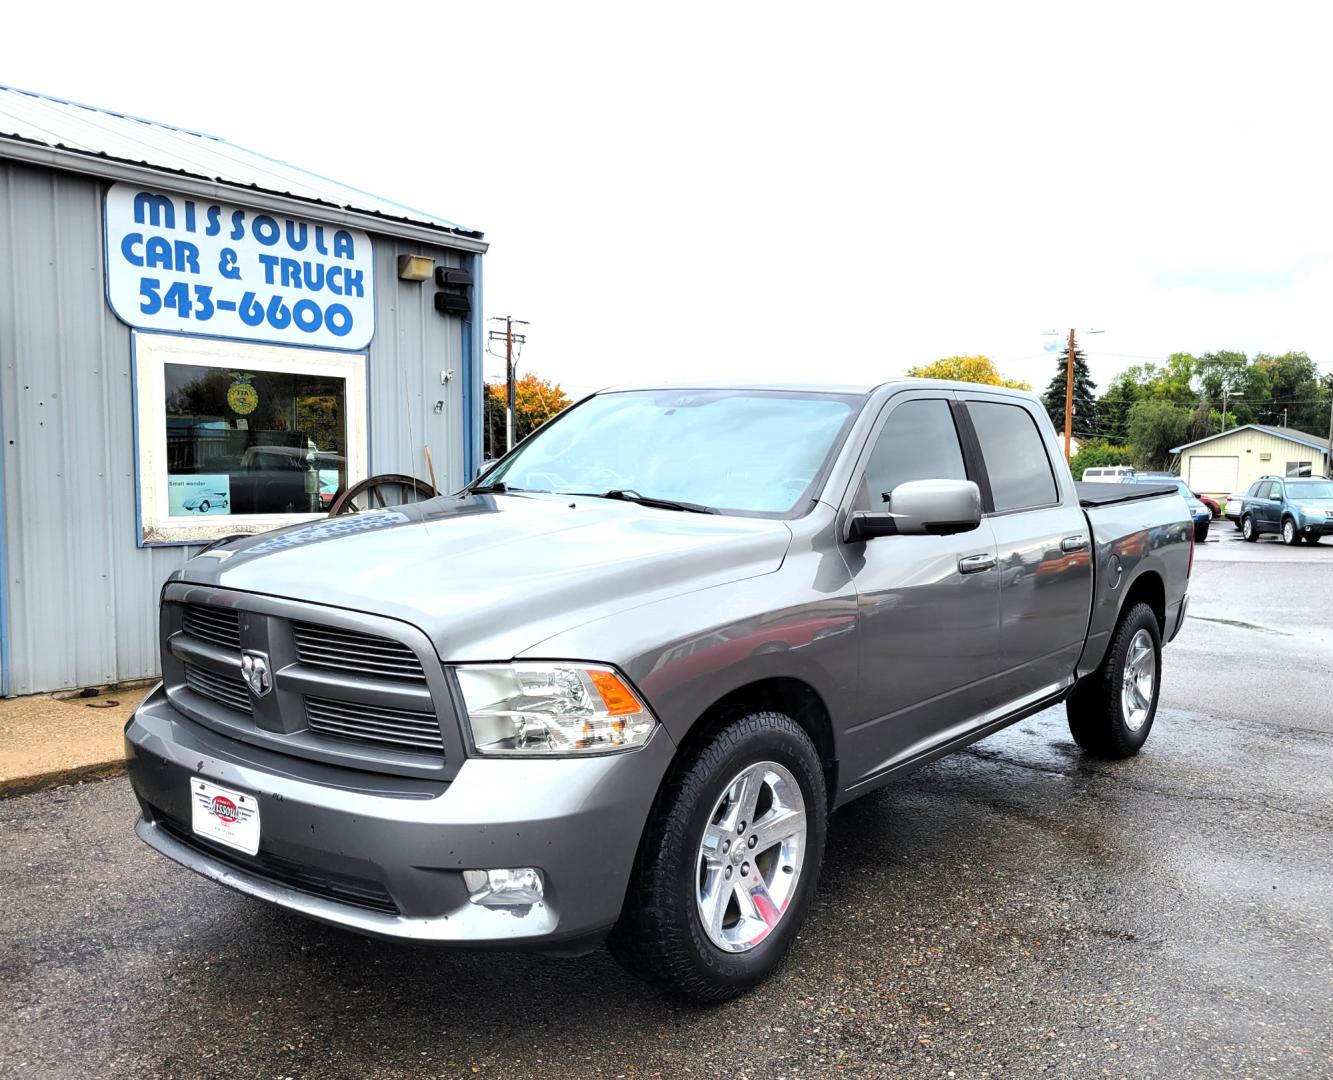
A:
[1309,489]
[741,451]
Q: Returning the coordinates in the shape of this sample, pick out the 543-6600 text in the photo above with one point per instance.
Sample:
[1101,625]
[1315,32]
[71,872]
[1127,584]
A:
[191,301]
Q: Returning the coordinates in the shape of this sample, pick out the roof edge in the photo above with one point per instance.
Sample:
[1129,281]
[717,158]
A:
[108,168]
[1277,434]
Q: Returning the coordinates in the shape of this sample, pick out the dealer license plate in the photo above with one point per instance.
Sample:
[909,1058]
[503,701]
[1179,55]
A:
[225,816]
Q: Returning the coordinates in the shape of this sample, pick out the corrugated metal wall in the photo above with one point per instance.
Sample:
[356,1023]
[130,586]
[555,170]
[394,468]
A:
[81,595]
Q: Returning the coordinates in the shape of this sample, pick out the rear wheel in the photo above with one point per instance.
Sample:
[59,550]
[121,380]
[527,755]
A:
[728,863]
[1249,529]
[1111,712]
[1290,536]
[1201,532]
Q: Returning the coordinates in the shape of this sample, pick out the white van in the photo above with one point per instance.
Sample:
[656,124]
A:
[1109,475]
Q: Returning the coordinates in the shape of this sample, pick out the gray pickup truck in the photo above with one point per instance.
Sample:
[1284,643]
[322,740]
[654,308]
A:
[614,689]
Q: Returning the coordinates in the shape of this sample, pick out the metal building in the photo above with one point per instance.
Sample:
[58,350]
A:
[1230,461]
[197,340]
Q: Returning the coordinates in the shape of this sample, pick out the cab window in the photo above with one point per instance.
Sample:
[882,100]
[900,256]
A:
[919,442]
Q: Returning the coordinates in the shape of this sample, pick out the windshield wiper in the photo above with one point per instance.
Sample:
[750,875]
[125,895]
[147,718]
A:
[499,488]
[630,495]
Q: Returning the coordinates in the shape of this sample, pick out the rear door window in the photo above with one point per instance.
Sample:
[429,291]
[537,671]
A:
[1016,459]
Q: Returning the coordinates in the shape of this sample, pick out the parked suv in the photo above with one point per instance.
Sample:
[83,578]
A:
[1200,514]
[1295,508]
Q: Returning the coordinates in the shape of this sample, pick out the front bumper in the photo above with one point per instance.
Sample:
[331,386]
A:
[1316,526]
[384,855]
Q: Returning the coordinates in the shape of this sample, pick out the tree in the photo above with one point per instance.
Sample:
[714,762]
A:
[973,369]
[1085,396]
[1155,427]
[535,401]
[1113,408]
[1298,396]
[1099,454]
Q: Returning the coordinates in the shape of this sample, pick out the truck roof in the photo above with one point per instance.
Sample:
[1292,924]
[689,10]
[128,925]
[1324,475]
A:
[864,388]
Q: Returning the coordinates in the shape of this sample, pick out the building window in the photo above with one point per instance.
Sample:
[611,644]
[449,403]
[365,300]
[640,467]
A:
[1300,468]
[236,437]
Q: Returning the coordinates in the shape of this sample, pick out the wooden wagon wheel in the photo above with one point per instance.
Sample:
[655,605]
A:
[380,492]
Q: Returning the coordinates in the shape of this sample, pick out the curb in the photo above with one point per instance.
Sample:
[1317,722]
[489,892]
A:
[77,774]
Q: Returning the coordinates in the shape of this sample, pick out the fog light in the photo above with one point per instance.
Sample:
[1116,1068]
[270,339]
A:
[520,886]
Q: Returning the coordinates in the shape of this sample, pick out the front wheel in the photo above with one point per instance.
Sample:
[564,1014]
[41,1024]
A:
[1111,712]
[1249,529]
[728,862]
[203,506]
[1290,536]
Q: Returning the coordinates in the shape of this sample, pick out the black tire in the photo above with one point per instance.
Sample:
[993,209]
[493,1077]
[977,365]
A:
[1313,538]
[1291,536]
[1249,529]
[1201,533]
[660,936]
[1095,710]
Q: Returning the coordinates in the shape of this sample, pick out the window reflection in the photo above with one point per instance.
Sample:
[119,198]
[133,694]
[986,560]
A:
[253,442]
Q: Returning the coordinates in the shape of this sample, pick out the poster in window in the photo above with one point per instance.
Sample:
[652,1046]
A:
[194,494]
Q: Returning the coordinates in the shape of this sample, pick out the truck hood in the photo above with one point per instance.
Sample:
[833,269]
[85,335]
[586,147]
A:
[488,576]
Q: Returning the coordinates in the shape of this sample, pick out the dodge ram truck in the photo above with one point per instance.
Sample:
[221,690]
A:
[613,689]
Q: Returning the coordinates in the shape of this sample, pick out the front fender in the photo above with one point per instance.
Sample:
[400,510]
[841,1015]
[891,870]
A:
[688,652]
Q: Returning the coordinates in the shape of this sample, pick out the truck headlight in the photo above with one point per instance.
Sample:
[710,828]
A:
[551,708]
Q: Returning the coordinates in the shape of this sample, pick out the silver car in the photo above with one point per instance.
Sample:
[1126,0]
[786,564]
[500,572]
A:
[614,689]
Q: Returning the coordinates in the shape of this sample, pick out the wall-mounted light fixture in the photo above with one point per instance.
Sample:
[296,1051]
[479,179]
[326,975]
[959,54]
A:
[415,267]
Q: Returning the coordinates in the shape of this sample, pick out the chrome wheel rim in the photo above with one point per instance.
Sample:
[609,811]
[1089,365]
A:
[751,856]
[1136,688]
[1247,527]
[1288,532]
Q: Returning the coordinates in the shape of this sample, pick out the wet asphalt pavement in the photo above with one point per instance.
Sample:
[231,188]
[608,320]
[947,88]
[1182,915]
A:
[1016,910]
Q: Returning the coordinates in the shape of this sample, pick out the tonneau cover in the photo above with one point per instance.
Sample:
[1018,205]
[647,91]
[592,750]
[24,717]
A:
[1094,495]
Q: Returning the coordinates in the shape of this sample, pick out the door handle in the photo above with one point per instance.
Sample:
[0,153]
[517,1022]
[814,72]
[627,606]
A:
[1073,543]
[975,564]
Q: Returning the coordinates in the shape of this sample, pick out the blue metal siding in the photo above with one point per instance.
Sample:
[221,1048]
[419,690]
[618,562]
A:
[81,594]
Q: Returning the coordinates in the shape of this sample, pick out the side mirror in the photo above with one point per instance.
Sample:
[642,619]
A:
[922,508]
[485,465]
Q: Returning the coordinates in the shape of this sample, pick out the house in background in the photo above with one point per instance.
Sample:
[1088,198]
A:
[1232,460]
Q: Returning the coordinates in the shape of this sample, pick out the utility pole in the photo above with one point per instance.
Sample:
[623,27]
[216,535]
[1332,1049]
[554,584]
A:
[1328,461]
[1069,393]
[511,340]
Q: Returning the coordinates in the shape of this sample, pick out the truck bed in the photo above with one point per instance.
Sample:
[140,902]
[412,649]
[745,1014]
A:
[1094,495]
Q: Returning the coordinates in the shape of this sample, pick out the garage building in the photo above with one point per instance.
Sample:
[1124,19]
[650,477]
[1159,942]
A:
[1232,460]
[197,340]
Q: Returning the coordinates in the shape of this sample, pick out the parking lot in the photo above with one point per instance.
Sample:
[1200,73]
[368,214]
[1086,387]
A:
[1015,910]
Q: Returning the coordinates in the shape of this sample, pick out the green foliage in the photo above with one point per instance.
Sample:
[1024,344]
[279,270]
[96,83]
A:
[1154,427]
[1187,393]
[1085,396]
[1099,454]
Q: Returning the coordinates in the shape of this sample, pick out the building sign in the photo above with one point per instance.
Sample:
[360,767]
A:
[187,265]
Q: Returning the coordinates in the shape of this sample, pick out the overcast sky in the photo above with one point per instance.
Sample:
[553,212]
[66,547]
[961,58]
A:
[815,192]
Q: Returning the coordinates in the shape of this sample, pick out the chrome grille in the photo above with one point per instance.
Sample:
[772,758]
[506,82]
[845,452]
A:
[229,690]
[350,651]
[399,728]
[221,626]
